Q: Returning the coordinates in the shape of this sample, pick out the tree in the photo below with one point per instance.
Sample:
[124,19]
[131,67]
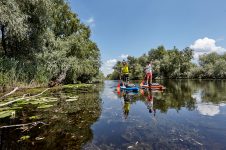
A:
[157,54]
[48,41]
[12,23]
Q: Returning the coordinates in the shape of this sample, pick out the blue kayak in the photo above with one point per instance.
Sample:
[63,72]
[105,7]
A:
[129,88]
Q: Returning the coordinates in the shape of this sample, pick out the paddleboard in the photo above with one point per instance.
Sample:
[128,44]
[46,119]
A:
[154,86]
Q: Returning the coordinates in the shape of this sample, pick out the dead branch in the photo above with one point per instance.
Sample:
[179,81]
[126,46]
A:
[10,102]
[20,125]
[38,94]
[13,91]
[27,98]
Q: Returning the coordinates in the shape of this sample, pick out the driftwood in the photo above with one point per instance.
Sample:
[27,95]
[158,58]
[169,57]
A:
[20,125]
[13,91]
[10,102]
[27,98]
[38,94]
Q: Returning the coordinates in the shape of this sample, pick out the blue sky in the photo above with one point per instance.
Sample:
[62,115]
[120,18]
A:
[133,27]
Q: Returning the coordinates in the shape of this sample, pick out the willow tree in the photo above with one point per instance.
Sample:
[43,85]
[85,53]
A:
[12,24]
[213,65]
[47,41]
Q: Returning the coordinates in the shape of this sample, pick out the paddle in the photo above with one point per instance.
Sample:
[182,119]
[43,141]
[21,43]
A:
[119,81]
[118,86]
[142,83]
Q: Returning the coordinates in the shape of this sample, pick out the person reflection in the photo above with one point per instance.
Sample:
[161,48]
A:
[149,101]
[126,106]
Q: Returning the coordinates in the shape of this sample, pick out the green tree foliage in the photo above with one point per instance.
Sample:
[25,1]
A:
[175,63]
[172,63]
[157,54]
[45,40]
[135,68]
[213,66]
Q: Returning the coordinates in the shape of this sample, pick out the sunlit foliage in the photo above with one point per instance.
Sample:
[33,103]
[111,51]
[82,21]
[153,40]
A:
[43,39]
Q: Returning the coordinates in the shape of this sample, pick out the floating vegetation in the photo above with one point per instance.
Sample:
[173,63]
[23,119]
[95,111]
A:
[7,113]
[43,98]
[23,138]
[71,99]
[34,117]
[44,106]
[60,109]
[77,86]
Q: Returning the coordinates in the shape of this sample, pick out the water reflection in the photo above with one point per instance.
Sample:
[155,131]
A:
[189,114]
[126,107]
[149,97]
[170,119]
[206,108]
[67,123]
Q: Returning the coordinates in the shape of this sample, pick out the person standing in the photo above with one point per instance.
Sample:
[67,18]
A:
[148,73]
[125,72]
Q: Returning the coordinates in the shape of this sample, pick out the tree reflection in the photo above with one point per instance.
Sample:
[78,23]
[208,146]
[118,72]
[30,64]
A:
[180,94]
[68,124]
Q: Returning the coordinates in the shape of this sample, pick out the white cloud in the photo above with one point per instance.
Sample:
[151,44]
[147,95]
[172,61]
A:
[124,56]
[90,22]
[109,93]
[208,109]
[205,46]
[197,96]
[107,67]
[222,104]
[111,62]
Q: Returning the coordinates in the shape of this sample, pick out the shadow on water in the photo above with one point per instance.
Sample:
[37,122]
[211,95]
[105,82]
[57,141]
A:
[189,114]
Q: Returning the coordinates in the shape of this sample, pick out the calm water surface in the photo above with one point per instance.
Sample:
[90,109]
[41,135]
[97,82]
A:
[189,114]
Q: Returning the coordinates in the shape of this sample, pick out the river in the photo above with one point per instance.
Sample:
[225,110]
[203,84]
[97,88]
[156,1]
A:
[188,114]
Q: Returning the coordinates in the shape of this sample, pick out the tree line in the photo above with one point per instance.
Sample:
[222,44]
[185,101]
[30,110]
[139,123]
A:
[174,64]
[43,41]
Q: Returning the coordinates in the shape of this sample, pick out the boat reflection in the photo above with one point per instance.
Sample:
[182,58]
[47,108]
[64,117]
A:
[146,96]
[128,98]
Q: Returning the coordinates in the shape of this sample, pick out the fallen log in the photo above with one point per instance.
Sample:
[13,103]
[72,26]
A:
[13,91]
[23,98]
[38,94]
[20,125]
[10,102]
